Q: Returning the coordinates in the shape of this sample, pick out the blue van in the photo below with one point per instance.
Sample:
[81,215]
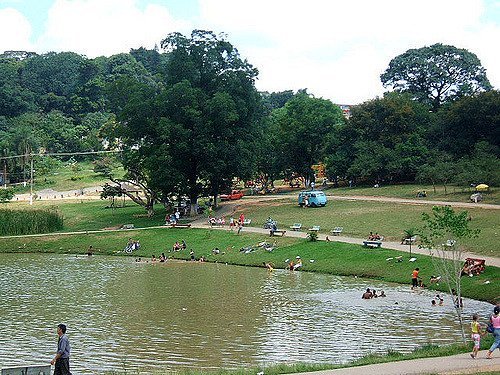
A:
[314,198]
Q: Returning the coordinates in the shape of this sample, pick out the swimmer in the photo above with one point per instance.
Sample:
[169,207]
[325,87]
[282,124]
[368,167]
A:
[269,266]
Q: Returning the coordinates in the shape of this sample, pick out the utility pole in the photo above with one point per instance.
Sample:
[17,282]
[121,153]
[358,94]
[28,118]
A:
[31,181]
[5,173]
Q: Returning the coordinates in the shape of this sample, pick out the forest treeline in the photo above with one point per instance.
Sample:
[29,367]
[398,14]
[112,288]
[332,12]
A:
[192,104]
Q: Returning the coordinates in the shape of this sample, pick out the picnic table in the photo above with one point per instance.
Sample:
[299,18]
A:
[336,231]
[277,232]
[296,226]
[247,221]
[179,225]
[410,241]
[372,243]
[314,228]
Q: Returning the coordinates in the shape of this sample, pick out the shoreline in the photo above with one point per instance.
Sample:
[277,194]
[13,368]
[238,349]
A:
[328,256]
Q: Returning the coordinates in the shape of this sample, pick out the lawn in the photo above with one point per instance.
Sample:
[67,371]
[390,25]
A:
[95,214]
[407,191]
[328,257]
[453,193]
[361,217]
[64,178]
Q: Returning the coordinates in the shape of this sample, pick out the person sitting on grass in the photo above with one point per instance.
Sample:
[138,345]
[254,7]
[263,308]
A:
[298,263]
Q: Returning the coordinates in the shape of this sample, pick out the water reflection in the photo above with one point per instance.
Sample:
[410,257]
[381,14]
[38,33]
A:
[123,315]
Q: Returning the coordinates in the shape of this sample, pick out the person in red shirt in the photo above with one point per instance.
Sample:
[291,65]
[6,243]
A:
[414,278]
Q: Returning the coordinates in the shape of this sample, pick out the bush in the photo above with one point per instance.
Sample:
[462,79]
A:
[6,195]
[19,222]
[312,236]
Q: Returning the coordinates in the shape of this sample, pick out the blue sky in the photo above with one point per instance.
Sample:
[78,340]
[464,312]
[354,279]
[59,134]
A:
[336,49]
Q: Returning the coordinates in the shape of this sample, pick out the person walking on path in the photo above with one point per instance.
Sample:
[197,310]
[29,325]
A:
[495,322]
[61,359]
[476,335]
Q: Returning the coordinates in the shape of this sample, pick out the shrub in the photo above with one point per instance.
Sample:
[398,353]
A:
[6,195]
[312,236]
[19,222]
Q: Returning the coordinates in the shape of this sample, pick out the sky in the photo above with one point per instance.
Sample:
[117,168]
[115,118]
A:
[335,49]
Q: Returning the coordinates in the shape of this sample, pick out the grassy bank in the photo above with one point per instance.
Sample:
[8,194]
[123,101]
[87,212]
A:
[428,351]
[357,217]
[329,257]
[361,217]
[64,178]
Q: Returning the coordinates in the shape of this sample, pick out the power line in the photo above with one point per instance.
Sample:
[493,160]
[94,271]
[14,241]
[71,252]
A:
[60,154]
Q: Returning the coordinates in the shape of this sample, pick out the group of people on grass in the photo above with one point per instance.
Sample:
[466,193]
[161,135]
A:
[132,245]
[233,223]
[173,218]
[294,266]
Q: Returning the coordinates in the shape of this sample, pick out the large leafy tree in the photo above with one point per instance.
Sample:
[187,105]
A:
[306,124]
[193,132]
[389,139]
[436,74]
[464,123]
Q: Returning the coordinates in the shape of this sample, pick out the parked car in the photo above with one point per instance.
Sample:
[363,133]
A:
[235,194]
[315,198]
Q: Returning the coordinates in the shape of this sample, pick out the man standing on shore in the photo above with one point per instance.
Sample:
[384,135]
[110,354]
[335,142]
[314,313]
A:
[61,360]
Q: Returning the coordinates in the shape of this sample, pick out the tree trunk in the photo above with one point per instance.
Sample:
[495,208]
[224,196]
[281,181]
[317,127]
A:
[193,197]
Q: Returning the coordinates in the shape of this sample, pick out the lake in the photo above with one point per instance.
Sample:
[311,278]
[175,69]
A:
[123,315]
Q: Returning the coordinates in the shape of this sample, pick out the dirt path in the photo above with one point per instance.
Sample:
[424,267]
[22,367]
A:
[455,364]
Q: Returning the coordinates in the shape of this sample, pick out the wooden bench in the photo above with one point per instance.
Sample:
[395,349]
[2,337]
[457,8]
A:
[314,228]
[372,243]
[296,226]
[127,226]
[277,232]
[410,241]
[179,225]
[247,221]
[337,230]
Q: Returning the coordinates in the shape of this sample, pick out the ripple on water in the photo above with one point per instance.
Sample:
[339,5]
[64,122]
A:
[122,315]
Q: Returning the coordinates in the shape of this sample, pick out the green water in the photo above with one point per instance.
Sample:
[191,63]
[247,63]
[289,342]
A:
[123,315]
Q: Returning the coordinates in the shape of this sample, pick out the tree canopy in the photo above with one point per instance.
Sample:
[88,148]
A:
[436,74]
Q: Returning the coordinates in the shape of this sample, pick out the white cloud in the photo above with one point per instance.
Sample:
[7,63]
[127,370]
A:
[338,49]
[18,29]
[105,27]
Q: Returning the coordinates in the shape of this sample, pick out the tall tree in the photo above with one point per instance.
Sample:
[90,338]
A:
[441,234]
[305,125]
[389,139]
[436,74]
[467,121]
[191,133]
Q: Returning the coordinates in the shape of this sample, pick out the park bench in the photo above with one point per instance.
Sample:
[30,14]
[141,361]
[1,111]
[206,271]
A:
[278,232]
[369,243]
[127,226]
[296,226]
[247,221]
[314,228]
[337,230]
[410,241]
[179,225]
[449,244]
